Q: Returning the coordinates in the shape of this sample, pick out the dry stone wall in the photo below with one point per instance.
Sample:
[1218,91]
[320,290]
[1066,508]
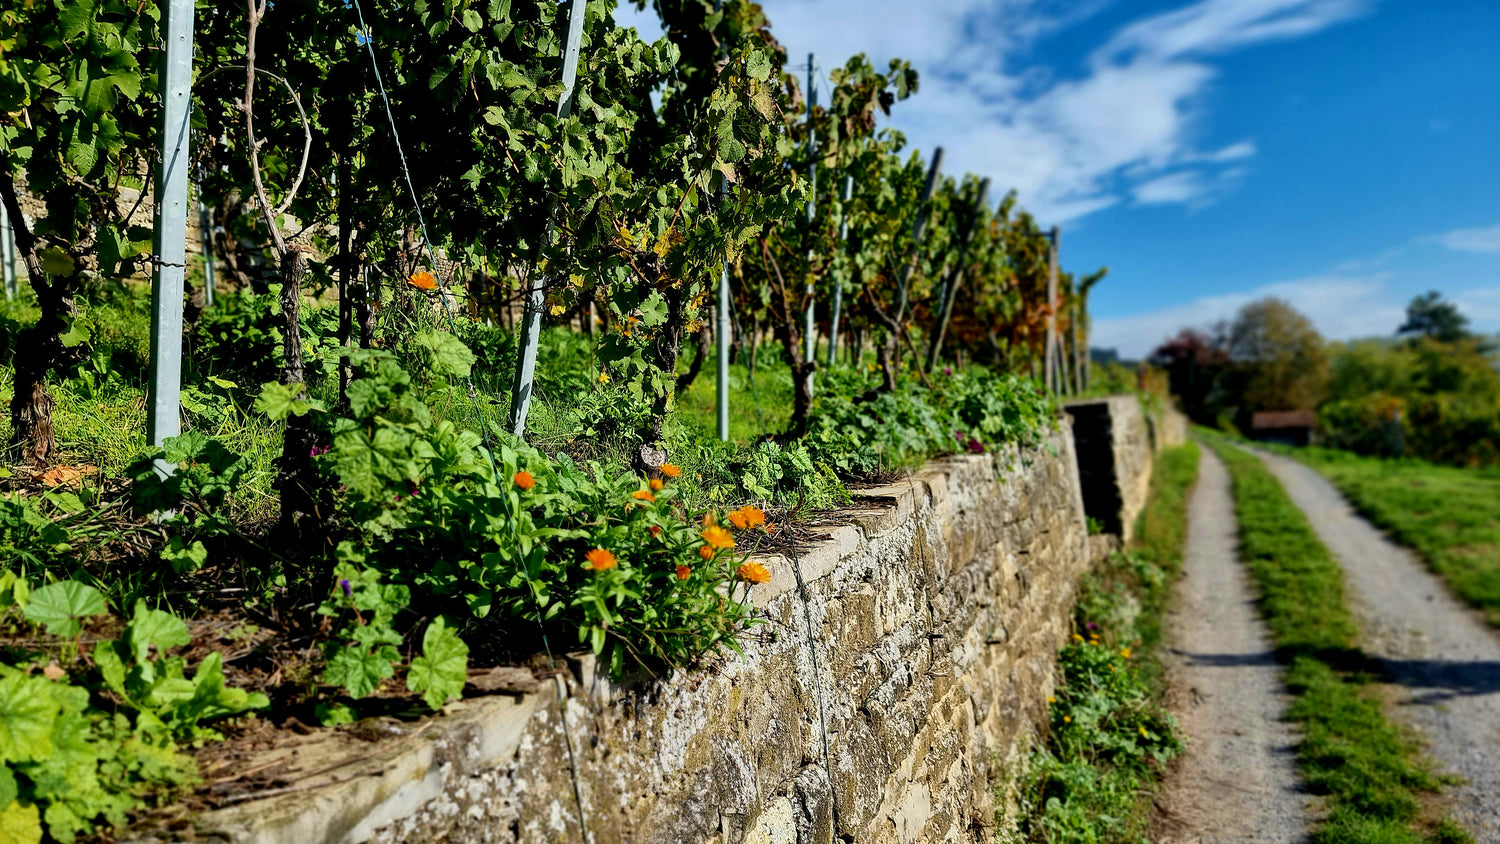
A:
[936,609]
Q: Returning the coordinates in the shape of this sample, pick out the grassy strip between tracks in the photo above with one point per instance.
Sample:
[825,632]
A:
[1093,776]
[1448,515]
[1375,784]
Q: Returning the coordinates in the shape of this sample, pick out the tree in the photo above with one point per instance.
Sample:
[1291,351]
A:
[1279,355]
[1194,361]
[1429,316]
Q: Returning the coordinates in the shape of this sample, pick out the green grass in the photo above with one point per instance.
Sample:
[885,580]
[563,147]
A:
[1370,773]
[1450,516]
[1092,779]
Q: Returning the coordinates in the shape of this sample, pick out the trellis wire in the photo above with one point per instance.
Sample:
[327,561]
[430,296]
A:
[574,26]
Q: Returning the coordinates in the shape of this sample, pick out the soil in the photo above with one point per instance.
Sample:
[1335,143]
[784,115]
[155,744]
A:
[1237,780]
[1441,661]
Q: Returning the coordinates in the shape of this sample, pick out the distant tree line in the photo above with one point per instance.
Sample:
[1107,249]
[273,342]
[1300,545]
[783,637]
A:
[1430,390]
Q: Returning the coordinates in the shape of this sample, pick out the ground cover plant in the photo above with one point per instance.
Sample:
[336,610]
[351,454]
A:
[1108,737]
[1450,516]
[1373,780]
[369,498]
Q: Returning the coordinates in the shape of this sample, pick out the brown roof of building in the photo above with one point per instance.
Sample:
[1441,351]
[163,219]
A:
[1283,419]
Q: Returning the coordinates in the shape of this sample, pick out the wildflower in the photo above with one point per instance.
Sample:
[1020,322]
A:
[656,485]
[523,479]
[1143,731]
[1091,625]
[975,446]
[947,370]
[683,572]
[317,450]
[718,537]
[1077,638]
[643,495]
[604,378]
[671,470]
[656,531]
[748,516]
[600,559]
[423,280]
[1125,652]
[753,573]
[348,590]
[1051,699]
[706,552]
[1067,719]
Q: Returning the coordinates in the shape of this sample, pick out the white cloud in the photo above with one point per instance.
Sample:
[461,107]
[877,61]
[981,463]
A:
[1070,144]
[1340,307]
[1472,240]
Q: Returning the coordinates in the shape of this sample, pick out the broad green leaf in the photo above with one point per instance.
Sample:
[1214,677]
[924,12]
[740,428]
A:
[27,712]
[445,354]
[20,824]
[279,401]
[154,628]
[184,557]
[62,606]
[439,673]
[359,671]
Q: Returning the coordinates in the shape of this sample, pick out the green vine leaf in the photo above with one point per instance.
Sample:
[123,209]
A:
[62,606]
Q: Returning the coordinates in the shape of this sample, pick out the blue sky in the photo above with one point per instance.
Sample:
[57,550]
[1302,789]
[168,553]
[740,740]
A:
[1341,154]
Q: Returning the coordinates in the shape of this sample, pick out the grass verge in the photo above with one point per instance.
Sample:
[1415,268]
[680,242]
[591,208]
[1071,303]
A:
[1093,776]
[1375,784]
[1448,515]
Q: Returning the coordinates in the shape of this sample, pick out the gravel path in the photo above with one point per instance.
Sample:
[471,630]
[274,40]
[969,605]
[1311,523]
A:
[1237,781]
[1440,659]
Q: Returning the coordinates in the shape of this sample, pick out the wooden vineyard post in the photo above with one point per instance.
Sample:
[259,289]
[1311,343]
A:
[1049,361]
[163,415]
[809,331]
[919,225]
[721,325]
[536,297]
[838,285]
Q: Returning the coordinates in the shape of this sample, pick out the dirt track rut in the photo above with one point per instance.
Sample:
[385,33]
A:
[1237,781]
[1440,659]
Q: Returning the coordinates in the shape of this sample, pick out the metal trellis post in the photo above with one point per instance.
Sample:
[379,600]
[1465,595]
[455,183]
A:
[1049,364]
[162,409]
[838,284]
[206,246]
[809,331]
[536,297]
[721,325]
[8,255]
[918,226]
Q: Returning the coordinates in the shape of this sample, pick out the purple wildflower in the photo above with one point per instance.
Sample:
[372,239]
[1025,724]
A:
[317,450]
[975,445]
[348,590]
[947,370]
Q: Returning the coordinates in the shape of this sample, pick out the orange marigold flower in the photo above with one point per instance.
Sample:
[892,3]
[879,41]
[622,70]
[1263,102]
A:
[706,552]
[524,480]
[671,470]
[753,573]
[423,280]
[656,484]
[683,572]
[643,495]
[747,517]
[601,560]
[655,531]
[718,537]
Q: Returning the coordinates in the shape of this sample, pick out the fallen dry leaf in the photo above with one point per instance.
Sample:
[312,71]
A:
[60,475]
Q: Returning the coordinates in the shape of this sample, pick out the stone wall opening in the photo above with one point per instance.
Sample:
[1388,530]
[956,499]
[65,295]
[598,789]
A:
[1094,446]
